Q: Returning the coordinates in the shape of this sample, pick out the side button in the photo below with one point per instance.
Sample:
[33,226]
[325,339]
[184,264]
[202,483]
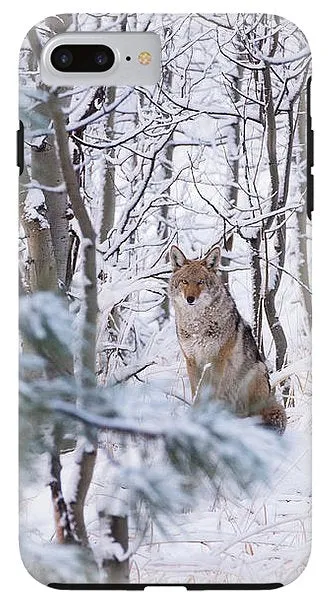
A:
[310,157]
[310,195]
[20,148]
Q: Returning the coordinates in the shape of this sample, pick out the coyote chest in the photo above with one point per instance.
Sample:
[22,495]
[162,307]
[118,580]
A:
[200,335]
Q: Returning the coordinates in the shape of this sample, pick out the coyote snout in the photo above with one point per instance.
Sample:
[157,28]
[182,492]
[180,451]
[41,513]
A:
[191,291]
[220,351]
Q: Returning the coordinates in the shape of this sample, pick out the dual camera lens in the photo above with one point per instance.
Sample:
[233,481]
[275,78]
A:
[63,58]
[79,58]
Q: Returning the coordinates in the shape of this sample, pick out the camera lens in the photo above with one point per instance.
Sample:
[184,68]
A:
[82,58]
[101,58]
[65,58]
[62,58]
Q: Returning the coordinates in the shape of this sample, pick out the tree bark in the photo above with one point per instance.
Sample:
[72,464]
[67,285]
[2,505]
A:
[233,142]
[84,467]
[48,245]
[40,268]
[115,537]
[275,326]
[64,534]
[47,172]
[108,202]
[87,454]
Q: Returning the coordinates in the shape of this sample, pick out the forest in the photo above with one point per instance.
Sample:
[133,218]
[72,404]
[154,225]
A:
[121,479]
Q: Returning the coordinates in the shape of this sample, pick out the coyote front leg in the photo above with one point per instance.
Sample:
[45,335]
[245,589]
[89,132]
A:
[194,374]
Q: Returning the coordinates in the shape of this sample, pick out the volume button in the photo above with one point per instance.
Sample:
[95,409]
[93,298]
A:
[20,148]
[310,155]
[310,195]
[310,148]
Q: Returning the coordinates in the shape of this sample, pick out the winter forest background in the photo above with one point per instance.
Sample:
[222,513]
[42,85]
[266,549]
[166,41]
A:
[121,480]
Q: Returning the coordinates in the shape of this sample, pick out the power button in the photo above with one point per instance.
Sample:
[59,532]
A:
[310,155]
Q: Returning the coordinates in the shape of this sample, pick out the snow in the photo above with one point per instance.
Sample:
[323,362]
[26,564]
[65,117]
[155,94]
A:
[224,538]
[284,59]
[35,207]
[44,316]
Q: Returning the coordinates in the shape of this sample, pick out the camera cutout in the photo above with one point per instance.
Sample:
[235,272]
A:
[82,58]
[101,58]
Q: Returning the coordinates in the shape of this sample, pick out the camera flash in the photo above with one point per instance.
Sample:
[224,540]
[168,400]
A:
[145,58]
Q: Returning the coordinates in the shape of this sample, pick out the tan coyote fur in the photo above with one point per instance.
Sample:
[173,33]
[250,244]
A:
[221,355]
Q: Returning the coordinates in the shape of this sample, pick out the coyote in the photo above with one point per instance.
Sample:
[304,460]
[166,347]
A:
[220,352]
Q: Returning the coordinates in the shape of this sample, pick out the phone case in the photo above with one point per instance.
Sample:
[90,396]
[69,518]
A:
[165,310]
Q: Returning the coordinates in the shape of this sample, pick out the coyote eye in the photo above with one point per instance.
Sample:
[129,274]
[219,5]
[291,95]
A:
[184,281]
[201,282]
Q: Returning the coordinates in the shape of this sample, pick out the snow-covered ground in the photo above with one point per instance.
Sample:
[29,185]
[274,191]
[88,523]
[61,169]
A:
[226,538]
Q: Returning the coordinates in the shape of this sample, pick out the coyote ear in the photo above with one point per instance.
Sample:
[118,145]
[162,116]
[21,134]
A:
[212,258]
[177,257]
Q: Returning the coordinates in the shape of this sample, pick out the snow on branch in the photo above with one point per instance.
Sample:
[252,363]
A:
[284,60]
[46,323]
[206,439]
